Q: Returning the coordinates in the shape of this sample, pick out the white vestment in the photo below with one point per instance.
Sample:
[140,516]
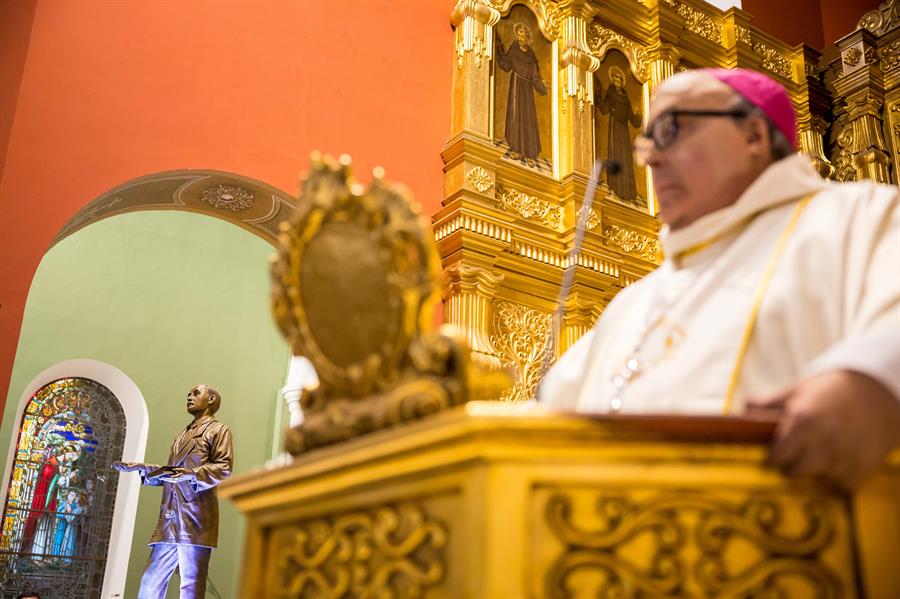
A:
[833,302]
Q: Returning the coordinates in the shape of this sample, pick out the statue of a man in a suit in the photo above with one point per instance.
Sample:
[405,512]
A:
[188,528]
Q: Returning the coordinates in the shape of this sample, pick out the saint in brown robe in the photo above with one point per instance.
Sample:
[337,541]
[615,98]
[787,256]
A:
[521,132]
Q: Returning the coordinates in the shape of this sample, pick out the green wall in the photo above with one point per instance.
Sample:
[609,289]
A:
[172,299]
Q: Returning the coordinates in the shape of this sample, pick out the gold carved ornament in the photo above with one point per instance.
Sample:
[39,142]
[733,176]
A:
[632,242]
[523,343]
[355,283]
[530,207]
[699,22]
[690,540]
[393,550]
[600,38]
[881,20]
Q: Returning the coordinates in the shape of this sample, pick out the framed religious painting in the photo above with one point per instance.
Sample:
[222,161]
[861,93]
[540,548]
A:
[618,119]
[523,91]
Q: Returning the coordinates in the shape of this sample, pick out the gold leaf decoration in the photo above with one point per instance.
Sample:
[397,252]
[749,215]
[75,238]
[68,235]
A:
[523,344]
[697,21]
[480,179]
[547,11]
[882,19]
[530,207]
[632,242]
[593,219]
[852,56]
[890,56]
[843,164]
[689,541]
[599,37]
[393,550]
[772,59]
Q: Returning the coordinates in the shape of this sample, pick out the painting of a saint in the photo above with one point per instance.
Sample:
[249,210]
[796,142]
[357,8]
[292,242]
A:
[521,125]
[67,526]
[35,538]
[614,101]
[622,122]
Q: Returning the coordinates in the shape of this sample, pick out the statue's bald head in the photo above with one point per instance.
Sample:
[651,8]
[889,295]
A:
[215,398]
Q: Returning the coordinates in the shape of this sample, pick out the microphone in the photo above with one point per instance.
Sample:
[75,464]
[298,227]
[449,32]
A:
[612,168]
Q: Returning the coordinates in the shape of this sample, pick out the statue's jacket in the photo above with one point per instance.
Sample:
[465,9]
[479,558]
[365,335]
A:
[189,511]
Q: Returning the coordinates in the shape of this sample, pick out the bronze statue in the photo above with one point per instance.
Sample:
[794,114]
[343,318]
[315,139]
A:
[188,528]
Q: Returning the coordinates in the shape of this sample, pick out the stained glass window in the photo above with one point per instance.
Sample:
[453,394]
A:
[61,492]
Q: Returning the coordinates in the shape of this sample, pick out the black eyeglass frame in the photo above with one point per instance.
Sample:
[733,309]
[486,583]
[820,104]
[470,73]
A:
[737,113]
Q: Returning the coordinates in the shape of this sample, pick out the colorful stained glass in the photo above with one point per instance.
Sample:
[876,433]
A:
[61,491]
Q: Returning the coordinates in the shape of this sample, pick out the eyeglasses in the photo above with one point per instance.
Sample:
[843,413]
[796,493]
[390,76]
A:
[663,131]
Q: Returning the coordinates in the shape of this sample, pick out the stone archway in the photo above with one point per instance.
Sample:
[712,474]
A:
[247,203]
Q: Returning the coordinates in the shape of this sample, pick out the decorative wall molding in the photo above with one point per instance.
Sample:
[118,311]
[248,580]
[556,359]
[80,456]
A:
[394,550]
[247,203]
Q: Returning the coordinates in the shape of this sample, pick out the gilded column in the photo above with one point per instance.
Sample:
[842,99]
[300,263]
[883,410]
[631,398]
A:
[812,123]
[473,22]
[468,292]
[576,93]
[582,312]
[664,52]
[861,151]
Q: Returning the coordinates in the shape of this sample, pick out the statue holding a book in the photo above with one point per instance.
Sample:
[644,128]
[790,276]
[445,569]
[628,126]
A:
[188,527]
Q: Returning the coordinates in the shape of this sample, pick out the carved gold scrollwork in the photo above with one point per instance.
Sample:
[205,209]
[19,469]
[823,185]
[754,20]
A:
[690,537]
[699,22]
[393,550]
[882,19]
[354,287]
[852,56]
[590,216]
[601,38]
[895,108]
[521,339]
[547,11]
[772,59]
[743,35]
[480,179]
[632,242]
[843,164]
[530,207]
[890,56]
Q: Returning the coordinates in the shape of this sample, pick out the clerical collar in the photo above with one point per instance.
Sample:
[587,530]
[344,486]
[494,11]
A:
[784,181]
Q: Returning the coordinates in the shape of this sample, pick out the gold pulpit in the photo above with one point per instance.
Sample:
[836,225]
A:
[401,486]
[497,500]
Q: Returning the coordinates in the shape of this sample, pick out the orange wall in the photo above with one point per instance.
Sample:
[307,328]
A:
[817,23]
[839,17]
[15,29]
[114,90]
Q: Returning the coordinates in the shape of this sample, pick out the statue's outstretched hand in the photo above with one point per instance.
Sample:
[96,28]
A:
[131,467]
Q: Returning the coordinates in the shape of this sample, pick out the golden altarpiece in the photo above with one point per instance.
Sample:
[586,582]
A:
[508,220]
[401,485]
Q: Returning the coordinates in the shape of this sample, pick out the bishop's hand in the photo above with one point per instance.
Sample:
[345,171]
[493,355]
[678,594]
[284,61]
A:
[838,425]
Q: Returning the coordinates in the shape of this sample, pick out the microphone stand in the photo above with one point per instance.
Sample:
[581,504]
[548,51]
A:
[612,167]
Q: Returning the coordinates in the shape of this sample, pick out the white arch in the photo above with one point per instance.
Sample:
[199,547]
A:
[137,423]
